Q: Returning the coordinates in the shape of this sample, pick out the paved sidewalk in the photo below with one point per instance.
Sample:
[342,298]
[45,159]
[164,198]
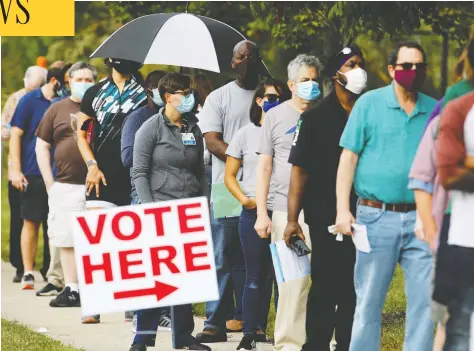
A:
[63,324]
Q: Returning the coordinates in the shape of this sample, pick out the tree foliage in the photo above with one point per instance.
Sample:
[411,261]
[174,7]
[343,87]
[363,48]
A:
[281,29]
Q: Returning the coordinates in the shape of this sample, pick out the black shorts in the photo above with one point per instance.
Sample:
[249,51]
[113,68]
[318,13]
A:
[34,201]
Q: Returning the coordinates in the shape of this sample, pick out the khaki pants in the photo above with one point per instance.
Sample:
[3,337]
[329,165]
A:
[290,325]
[55,272]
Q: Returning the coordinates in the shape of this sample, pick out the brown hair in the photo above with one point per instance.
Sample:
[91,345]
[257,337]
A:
[202,87]
[255,109]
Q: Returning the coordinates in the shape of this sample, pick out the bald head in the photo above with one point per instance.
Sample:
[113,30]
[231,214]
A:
[245,46]
[246,61]
[35,76]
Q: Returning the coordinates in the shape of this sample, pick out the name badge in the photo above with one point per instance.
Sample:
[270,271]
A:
[188,138]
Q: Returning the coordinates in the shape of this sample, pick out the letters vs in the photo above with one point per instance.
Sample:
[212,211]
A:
[22,11]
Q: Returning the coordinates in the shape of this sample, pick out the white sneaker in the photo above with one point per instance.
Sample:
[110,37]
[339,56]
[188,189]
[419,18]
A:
[28,282]
[165,323]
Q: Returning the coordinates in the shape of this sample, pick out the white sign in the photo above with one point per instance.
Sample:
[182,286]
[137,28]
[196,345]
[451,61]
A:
[144,256]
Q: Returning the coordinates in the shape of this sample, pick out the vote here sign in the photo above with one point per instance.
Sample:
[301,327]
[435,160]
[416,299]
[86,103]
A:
[144,256]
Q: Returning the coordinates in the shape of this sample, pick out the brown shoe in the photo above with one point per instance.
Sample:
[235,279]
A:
[234,326]
[209,335]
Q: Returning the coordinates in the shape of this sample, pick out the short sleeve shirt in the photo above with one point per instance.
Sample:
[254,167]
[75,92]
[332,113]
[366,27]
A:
[225,111]
[317,151]
[386,140]
[58,129]
[279,128]
[27,117]
[244,147]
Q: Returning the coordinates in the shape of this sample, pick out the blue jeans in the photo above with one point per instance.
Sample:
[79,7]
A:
[259,276]
[230,267]
[458,327]
[392,239]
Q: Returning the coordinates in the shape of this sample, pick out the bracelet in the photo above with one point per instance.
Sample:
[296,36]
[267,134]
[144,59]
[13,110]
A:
[90,163]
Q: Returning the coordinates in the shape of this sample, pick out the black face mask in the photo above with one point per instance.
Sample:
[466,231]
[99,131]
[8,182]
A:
[125,67]
[248,71]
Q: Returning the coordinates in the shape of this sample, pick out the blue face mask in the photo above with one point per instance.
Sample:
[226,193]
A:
[187,104]
[308,90]
[269,105]
[79,89]
[157,98]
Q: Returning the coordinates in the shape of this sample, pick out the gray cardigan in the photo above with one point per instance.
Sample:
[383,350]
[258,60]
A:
[163,167]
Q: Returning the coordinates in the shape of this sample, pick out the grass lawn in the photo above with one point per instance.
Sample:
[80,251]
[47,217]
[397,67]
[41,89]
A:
[18,337]
[393,317]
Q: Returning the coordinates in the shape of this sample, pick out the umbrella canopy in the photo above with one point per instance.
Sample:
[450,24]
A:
[177,39]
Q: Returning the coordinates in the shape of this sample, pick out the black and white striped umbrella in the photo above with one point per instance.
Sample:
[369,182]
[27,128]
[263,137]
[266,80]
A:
[177,39]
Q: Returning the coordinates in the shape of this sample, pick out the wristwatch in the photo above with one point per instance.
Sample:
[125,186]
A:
[91,162]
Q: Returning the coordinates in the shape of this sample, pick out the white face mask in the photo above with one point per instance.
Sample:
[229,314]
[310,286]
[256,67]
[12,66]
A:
[356,80]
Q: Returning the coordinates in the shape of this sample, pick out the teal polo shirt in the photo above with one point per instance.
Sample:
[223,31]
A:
[386,140]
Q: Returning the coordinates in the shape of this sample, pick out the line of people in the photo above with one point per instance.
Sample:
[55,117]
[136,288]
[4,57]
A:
[296,161]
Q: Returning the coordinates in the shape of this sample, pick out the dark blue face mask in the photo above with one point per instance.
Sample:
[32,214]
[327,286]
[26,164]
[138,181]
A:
[269,105]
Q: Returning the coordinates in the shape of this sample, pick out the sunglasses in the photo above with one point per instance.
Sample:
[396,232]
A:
[272,97]
[184,93]
[407,66]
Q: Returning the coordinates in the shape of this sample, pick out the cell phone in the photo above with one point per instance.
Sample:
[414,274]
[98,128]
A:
[25,186]
[298,246]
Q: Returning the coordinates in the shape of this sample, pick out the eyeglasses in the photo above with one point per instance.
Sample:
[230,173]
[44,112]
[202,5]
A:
[184,93]
[407,66]
[272,97]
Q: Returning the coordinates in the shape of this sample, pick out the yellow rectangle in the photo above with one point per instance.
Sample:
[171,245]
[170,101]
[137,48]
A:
[37,18]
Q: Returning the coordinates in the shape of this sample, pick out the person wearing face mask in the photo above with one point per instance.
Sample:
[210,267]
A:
[25,173]
[278,133]
[380,140]
[223,114]
[35,77]
[315,157]
[63,91]
[132,123]
[242,152]
[168,165]
[99,124]
[56,131]
[135,120]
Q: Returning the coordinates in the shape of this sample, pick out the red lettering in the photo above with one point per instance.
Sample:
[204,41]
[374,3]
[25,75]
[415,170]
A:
[125,264]
[137,225]
[184,218]
[189,256]
[89,268]
[167,261]
[158,213]
[93,239]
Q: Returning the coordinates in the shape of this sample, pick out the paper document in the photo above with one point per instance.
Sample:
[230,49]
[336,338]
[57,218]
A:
[332,230]
[288,266]
[224,204]
[360,238]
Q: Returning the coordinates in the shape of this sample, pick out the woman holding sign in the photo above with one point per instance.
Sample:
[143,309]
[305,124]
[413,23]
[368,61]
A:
[242,151]
[168,165]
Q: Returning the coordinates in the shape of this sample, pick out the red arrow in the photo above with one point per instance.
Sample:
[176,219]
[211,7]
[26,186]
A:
[160,290]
